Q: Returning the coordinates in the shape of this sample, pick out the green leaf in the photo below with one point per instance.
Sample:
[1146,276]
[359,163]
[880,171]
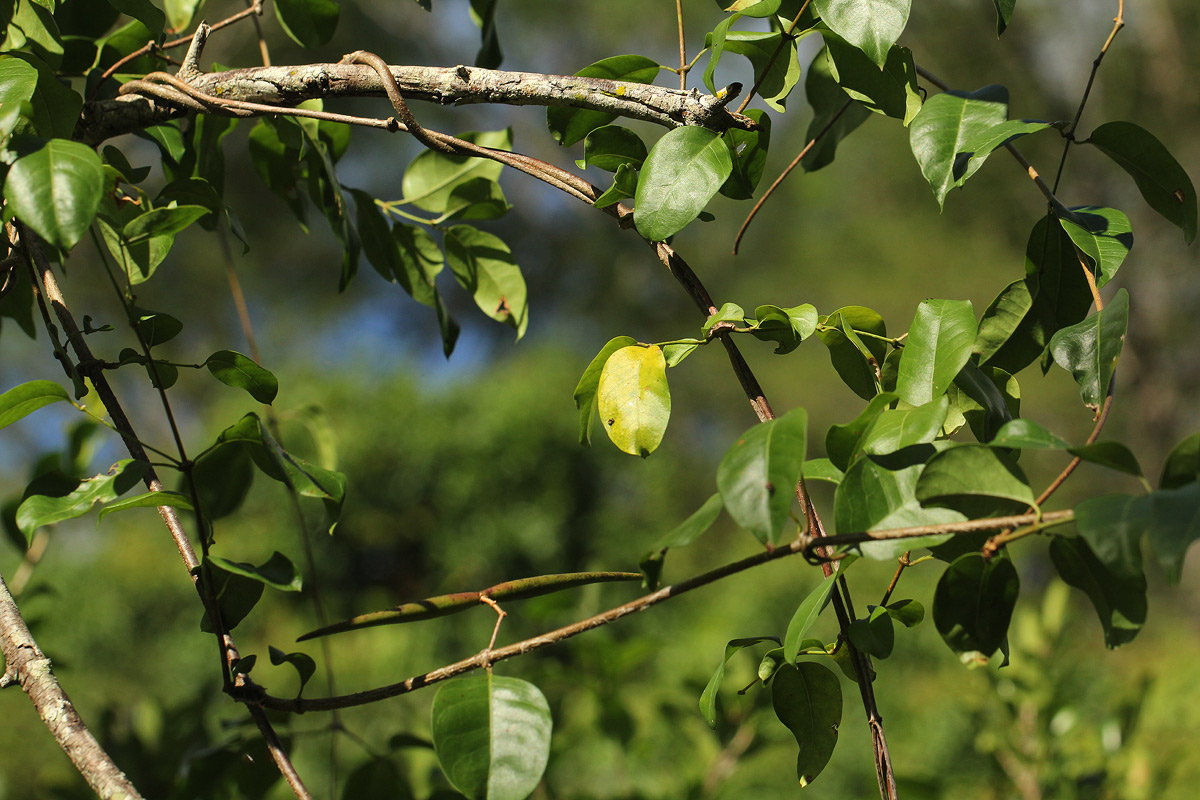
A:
[1174,526]
[776,72]
[685,168]
[872,497]
[633,399]
[873,634]
[236,597]
[144,12]
[896,429]
[223,476]
[589,382]
[939,344]
[18,82]
[624,187]
[1104,235]
[570,125]
[908,613]
[155,327]
[1120,601]
[179,13]
[748,151]
[708,698]
[892,92]
[841,441]
[484,266]
[872,26]
[986,398]
[1113,455]
[828,101]
[970,471]
[682,535]
[946,124]
[137,261]
[1112,526]
[980,144]
[431,177]
[1055,295]
[1090,349]
[753,8]
[33,28]
[808,700]
[56,190]
[1025,434]
[303,663]
[806,615]
[148,500]
[1182,465]
[492,736]
[728,313]
[477,198]
[162,222]
[277,572]
[28,397]
[758,475]
[611,146]
[1004,12]
[1160,179]
[787,326]
[483,14]
[241,372]
[55,497]
[855,358]
[822,469]
[309,23]
[974,601]
[419,263]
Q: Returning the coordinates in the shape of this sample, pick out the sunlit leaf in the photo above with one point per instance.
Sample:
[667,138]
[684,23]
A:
[1089,350]
[1104,235]
[241,372]
[484,266]
[939,343]
[872,26]
[758,475]
[492,736]
[685,168]
[892,92]
[589,382]
[56,190]
[28,397]
[806,615]
[634,400]
[946,124]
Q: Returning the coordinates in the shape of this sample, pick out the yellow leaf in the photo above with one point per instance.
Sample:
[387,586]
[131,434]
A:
[634,400]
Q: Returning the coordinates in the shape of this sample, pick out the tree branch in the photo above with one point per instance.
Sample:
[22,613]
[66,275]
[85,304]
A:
[290,85]
[26,664]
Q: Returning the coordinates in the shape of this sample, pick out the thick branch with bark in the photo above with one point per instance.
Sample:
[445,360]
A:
[291,85]
[26,664]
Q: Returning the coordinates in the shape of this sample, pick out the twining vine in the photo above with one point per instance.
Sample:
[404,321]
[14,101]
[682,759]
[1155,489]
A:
[903,483]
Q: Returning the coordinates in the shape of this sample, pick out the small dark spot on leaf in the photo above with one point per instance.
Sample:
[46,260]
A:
[611,421]
[770,488]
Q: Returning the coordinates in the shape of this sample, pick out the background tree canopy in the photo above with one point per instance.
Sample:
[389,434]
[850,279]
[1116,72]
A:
[208,304]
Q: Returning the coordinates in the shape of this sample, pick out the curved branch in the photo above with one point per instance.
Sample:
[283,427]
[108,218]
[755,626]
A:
[26,664]
[289,85]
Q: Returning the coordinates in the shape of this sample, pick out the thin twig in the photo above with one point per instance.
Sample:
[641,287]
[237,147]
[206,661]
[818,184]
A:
[785,40]
[787,171]
[683,62]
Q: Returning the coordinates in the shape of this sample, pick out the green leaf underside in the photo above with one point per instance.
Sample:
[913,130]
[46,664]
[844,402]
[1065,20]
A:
[1120,602]
[804,617]
[491,735]
[833,109]
[589,382]
[892,91]
[757,476]
[1164,184]
[708,698]
[974,601]
[55,497]
[972,469]
[241,372]
[807,698]
[684,169]
[634,400]
[855,358]
[26,398]
[442,605]
[1104,235]
[277,572]
[148,500]
[874,633]
[483,265]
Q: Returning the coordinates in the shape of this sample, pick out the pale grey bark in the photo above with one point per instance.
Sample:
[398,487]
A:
[26,664]
[290,85]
